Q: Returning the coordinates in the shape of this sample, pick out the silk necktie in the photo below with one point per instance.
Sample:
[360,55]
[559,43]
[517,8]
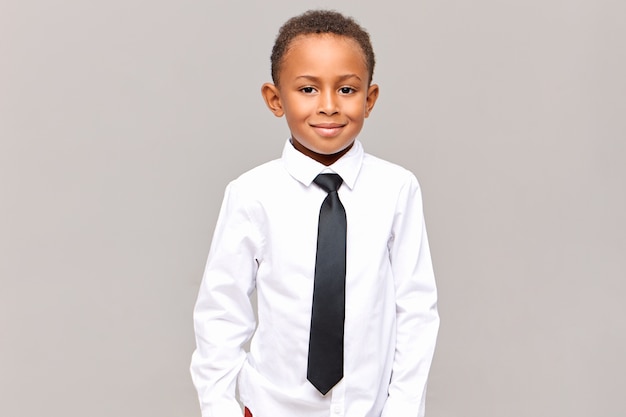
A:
[325,363]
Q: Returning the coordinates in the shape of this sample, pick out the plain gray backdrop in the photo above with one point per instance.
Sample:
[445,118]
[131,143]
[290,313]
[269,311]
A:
[122,121]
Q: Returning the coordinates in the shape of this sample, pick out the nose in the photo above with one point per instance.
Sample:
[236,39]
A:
[328,103]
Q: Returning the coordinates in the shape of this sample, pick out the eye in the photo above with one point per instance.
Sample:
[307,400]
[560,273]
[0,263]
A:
[346,90]
[307,90]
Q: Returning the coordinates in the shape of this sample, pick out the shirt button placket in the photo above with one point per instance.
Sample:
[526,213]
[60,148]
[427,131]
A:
[337,401]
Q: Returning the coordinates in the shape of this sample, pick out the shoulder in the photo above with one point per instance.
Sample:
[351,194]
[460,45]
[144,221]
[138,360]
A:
[391,174]
[259,177]
[253,186]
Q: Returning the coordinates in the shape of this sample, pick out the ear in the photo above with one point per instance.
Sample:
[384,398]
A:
[372,96]
[271,95]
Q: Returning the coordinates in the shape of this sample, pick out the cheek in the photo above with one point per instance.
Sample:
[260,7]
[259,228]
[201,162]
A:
[358,111]
[296,109]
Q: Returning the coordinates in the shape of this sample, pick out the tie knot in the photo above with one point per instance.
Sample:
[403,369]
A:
[328,182]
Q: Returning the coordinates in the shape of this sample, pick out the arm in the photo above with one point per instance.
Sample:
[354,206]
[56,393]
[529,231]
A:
[416,307]
[223,315]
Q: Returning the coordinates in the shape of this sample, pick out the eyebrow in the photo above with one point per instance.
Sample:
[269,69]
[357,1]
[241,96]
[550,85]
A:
[341,78]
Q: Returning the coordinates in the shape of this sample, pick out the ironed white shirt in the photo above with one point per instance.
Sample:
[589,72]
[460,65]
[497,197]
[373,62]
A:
[265,238]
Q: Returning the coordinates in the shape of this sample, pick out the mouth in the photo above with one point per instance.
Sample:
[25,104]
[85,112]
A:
[328,129]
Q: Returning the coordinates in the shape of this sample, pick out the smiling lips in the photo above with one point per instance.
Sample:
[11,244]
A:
[328,130]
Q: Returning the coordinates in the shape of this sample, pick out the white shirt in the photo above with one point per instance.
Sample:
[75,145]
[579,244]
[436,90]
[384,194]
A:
[265,238]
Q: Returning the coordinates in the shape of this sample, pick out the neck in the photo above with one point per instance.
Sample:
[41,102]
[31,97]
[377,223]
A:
[324,159]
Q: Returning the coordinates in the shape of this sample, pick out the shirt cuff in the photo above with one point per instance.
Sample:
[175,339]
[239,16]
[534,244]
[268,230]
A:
[223,409]
[402,408]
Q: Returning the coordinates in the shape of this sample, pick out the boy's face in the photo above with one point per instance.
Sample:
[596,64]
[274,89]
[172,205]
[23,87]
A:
[324,93]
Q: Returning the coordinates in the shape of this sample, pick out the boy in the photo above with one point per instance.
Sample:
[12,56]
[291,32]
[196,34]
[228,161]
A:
[334,242]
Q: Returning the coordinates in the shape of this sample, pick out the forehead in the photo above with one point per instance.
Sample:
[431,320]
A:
[315,48]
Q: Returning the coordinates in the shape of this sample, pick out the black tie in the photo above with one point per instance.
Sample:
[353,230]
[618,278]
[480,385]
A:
[325,365]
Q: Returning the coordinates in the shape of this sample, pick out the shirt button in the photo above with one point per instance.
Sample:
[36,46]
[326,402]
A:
[337,409]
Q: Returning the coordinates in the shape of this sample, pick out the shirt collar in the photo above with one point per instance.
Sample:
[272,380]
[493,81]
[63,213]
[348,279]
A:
[305,169]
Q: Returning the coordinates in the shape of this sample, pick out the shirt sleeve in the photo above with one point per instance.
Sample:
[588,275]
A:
[416,306]
[223,316]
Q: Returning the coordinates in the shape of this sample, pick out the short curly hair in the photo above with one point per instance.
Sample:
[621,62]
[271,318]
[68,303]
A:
[319,22]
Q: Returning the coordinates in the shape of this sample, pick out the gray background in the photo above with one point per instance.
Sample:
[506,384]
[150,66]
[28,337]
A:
[121,122]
